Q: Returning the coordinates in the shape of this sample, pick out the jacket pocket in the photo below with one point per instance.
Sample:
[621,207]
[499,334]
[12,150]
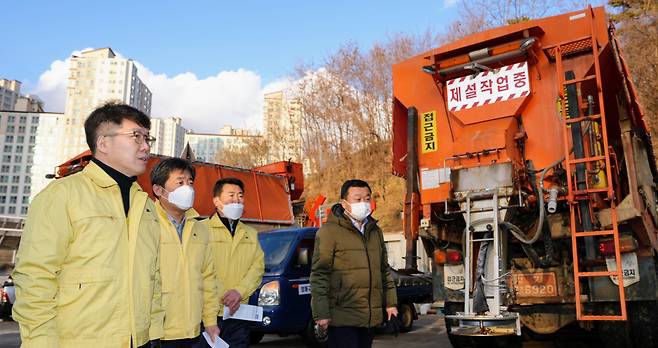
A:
[335,289]
[95,225]
[86,302]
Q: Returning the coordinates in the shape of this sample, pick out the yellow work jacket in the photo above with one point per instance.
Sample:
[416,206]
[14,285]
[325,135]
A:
[239,259]
[86,275]
[189,290]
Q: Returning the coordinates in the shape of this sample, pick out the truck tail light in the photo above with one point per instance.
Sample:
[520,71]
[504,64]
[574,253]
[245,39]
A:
[450,256]
[453,256]
[626,244]
[439,257]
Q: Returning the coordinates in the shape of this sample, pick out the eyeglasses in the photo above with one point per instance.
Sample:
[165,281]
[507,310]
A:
[140,137]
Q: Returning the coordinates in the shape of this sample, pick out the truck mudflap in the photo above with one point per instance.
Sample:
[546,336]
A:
[629,266]
[641,278]
[505,324]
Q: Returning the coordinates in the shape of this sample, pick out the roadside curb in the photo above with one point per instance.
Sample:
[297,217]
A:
[8,327]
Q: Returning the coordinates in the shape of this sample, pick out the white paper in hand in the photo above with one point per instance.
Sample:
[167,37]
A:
[219,343]
[245,312]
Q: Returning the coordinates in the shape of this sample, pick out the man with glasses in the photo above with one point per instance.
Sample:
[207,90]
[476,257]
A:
[87,270]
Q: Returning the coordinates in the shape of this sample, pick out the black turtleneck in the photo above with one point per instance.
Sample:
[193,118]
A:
[124,182]
[229,226]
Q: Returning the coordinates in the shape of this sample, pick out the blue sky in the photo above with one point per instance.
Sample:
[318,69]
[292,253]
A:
[204,37]
[208,62]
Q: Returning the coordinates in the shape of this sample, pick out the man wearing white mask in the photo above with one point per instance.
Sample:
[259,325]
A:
[189,286]
[351,286]
[238,258]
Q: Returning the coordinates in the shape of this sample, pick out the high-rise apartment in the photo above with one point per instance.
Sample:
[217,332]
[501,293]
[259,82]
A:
[96,77]
[282,116]
[169,136]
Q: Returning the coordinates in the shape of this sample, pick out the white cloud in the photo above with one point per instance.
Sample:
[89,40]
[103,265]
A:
[278,85]
[51,87]
[205,104]
[228,98]
[449,3]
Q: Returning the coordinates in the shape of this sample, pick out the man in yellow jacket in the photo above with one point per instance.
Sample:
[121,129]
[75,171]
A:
[189,290]
[239,259]
[87,270]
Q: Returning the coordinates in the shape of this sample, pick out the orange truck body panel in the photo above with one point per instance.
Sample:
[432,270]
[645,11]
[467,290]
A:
[294,172]
[267,196]
[492,126]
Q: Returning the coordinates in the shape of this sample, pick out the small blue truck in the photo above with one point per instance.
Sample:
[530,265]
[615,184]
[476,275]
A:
[285,292]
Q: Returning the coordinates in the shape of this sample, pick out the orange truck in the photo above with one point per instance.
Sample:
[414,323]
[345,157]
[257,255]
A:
[270,190]
[532,182]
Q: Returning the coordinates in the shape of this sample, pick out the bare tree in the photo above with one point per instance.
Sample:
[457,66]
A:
[253,153]
[346,127]
[637,21]
[479,15]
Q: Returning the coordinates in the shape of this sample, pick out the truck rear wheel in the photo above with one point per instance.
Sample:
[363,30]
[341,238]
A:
[640,330]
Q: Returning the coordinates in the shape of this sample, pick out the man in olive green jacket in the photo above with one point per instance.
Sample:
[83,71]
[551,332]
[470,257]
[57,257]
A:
[350,281]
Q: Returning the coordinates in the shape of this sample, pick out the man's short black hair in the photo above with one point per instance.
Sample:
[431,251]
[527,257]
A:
[219,185]
[352,183]
[113,113]
[160,173]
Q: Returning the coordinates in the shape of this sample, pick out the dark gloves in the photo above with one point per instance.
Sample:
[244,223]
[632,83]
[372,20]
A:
[393,326]
[154,344]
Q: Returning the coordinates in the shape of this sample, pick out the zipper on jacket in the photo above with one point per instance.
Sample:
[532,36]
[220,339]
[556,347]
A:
[365,245]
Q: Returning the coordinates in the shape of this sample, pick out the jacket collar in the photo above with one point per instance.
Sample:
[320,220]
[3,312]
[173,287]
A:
[123,180]
[338,217]
[98,175]
[215,222]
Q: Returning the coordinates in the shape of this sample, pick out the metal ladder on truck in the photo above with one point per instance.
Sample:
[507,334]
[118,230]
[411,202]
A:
[580,191]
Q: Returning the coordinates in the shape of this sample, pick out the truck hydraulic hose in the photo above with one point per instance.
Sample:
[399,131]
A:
[530,251]
[552,200]
[540,222]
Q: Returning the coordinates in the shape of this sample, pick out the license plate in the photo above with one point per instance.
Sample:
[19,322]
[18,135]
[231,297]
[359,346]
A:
[304,289]
[629,267]
[535,284]
[453,277]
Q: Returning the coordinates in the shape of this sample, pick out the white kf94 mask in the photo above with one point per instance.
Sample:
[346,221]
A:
[182,197]
[233,211]
[360,210]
